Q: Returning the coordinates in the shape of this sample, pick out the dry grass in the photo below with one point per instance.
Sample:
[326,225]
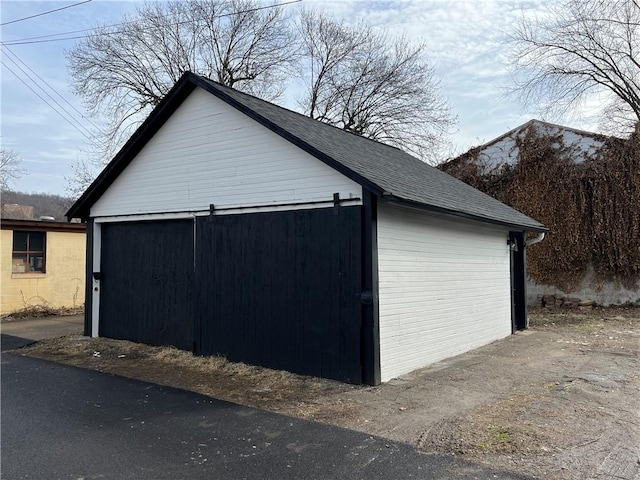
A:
[42,311]
[275,390]
[504,427]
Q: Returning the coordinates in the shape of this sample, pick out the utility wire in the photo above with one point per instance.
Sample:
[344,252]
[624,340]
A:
[48,95]
[43,13]
[94,29]
[45,101]
[13,57]
[47,39]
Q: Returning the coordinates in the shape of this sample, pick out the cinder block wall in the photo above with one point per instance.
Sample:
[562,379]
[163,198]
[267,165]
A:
[62,285]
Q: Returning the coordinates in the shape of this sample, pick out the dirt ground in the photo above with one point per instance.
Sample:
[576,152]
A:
[558,401]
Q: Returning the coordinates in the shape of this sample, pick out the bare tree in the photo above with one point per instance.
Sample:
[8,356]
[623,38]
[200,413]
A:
[122,72]
[10,167]
[580,48]
[359,80]
[83,172]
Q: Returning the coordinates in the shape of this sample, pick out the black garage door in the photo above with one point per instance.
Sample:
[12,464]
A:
[278,289]
[282,290]
[147,282]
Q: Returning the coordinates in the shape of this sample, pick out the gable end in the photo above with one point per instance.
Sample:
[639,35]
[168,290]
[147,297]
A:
[176,96]
[347,172]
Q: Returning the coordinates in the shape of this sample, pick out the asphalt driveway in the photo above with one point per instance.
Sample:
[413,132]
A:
[61,422]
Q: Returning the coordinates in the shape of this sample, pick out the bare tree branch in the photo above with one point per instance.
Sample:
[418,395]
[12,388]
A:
[10,167]
[125,71]
[356,79]
[578,48]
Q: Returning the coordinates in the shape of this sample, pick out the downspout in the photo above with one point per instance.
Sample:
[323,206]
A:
[527,243]
[537,239]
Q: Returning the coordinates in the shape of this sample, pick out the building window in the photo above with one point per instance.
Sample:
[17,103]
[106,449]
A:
[28,252]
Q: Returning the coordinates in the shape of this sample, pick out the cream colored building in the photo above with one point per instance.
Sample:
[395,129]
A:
[42,264]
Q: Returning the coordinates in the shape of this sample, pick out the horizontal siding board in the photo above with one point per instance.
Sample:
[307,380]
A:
[444,288]
[208,152]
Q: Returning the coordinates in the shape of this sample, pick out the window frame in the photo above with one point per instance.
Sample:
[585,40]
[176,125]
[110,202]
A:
[29,253]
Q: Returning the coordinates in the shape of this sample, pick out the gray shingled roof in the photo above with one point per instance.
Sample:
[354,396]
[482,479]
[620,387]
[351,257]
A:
[399,175]
[386,171]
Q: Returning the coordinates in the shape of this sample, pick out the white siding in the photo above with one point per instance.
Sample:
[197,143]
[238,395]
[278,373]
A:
[208,152]
[444,288]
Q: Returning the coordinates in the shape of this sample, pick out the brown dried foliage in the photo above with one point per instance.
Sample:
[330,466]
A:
[591,208]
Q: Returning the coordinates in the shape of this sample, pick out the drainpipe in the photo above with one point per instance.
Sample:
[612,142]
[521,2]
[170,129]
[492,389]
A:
[527,243]
[533,241]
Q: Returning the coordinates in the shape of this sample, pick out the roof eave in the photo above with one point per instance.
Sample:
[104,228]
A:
[41,225]
[538,228]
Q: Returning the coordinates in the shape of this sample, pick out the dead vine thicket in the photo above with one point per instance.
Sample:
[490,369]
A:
[591,208]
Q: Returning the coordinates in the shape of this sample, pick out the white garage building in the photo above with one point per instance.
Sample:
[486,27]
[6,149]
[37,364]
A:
[228,225]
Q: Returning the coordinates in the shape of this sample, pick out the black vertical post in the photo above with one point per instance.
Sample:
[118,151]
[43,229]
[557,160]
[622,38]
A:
[198,277]
[523,267]
[370,330]
[518,281]
[88,282]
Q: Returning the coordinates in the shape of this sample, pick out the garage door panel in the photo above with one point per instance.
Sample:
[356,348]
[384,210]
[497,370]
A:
[147,282]
[281,289]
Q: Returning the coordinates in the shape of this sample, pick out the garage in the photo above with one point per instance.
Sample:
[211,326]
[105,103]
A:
[230,226]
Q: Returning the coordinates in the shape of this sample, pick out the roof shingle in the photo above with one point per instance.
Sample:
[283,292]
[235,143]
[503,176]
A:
[396,173]
[387,171]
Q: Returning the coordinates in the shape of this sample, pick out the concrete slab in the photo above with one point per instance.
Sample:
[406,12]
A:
[35,329]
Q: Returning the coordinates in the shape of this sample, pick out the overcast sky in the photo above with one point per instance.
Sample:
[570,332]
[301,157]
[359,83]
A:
[465,40]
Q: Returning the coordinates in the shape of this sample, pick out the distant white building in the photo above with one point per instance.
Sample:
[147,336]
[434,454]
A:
[503,150]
